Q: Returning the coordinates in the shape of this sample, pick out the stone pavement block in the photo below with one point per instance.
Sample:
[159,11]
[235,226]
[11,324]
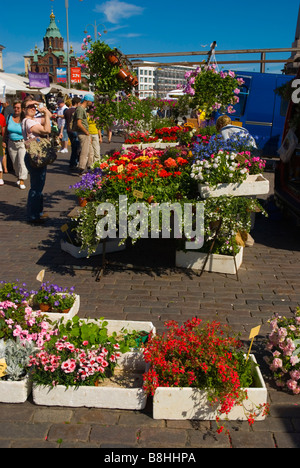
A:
[164,437]
[287,440]
[121,436]
[72,432]
[22,430]
[253,440]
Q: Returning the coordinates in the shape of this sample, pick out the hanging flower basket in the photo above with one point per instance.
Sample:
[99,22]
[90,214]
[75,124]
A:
[112,58]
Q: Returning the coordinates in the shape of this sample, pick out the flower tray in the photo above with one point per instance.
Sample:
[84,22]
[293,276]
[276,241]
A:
[15,392]
[192,403]
[216,263]
[112,245]
[53,316]
[158,145]
[253,185]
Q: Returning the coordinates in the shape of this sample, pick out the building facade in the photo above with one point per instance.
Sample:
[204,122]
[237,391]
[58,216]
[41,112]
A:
[53,56]
[157,81]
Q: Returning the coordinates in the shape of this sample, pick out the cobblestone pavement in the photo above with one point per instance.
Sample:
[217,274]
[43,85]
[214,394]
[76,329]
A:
[269,282]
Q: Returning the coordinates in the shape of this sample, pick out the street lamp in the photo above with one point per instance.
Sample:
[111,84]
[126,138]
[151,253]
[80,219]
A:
[95,26]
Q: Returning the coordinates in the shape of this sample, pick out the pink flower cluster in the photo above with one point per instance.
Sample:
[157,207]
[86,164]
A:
[32,329]
[81,362]
[284,344]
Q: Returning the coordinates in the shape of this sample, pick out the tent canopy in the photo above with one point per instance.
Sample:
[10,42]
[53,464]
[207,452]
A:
[11,84]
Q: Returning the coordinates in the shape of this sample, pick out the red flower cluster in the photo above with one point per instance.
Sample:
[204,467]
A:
[140,137]
[168,134]
[197,355]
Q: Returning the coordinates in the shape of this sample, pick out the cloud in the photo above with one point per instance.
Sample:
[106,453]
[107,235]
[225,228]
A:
[13,62]
[115,11]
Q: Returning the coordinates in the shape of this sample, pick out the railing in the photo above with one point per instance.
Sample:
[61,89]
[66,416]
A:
[262,61]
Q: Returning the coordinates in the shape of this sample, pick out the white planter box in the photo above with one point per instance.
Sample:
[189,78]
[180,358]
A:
[90,397]
[216,263]
[15,392]
[253,185]
[54,316]
[191,403]
[112,245]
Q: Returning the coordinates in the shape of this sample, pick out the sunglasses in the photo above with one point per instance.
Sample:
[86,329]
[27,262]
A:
[31,106]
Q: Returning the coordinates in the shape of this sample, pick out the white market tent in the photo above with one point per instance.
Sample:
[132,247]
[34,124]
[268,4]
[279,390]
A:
[11,84]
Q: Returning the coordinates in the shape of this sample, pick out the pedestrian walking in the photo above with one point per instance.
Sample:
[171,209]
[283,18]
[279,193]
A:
[61,123]
[35,127]
[14,142]
[96,138]
[80,123]
[73,135]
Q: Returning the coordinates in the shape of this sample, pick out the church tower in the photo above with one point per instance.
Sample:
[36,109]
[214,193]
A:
[53,56]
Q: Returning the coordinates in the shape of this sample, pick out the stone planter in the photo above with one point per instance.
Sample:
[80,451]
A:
[15,392]
[54,316]
[112,245]
[216,263]
[253,185]
[192,403]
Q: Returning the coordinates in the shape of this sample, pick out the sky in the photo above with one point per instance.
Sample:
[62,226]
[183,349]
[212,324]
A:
[152,26]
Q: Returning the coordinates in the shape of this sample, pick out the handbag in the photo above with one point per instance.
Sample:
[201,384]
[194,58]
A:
[41,151]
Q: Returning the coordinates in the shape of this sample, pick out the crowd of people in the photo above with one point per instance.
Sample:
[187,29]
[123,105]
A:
[25,119]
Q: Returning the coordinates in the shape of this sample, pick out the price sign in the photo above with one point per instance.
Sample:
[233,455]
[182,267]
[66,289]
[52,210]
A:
[138,194]
[40,276]
[3,367]
[253,333]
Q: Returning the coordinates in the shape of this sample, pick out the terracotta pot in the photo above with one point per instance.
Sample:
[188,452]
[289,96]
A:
[135,81]
[123,74]
[82,201]
[45,307]
[113,59]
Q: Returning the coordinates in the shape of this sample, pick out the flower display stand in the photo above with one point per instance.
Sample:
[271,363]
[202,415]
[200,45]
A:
[112,245]
[15,391]
[192,403]
[53,316]
[255,184]
[216,263]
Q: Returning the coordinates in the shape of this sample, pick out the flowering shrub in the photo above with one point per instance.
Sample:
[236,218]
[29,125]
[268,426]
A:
[57,297]
[284,344]
[212,90]
[20,322]
[222,167]
[200,355]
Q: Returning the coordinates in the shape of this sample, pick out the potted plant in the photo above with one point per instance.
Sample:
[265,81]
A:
[229,173]
[15,383]
[284,346]
[211,90]
[24,323]
[79,368]
[56,300]
[14,292]
[199,371]
[86,188]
